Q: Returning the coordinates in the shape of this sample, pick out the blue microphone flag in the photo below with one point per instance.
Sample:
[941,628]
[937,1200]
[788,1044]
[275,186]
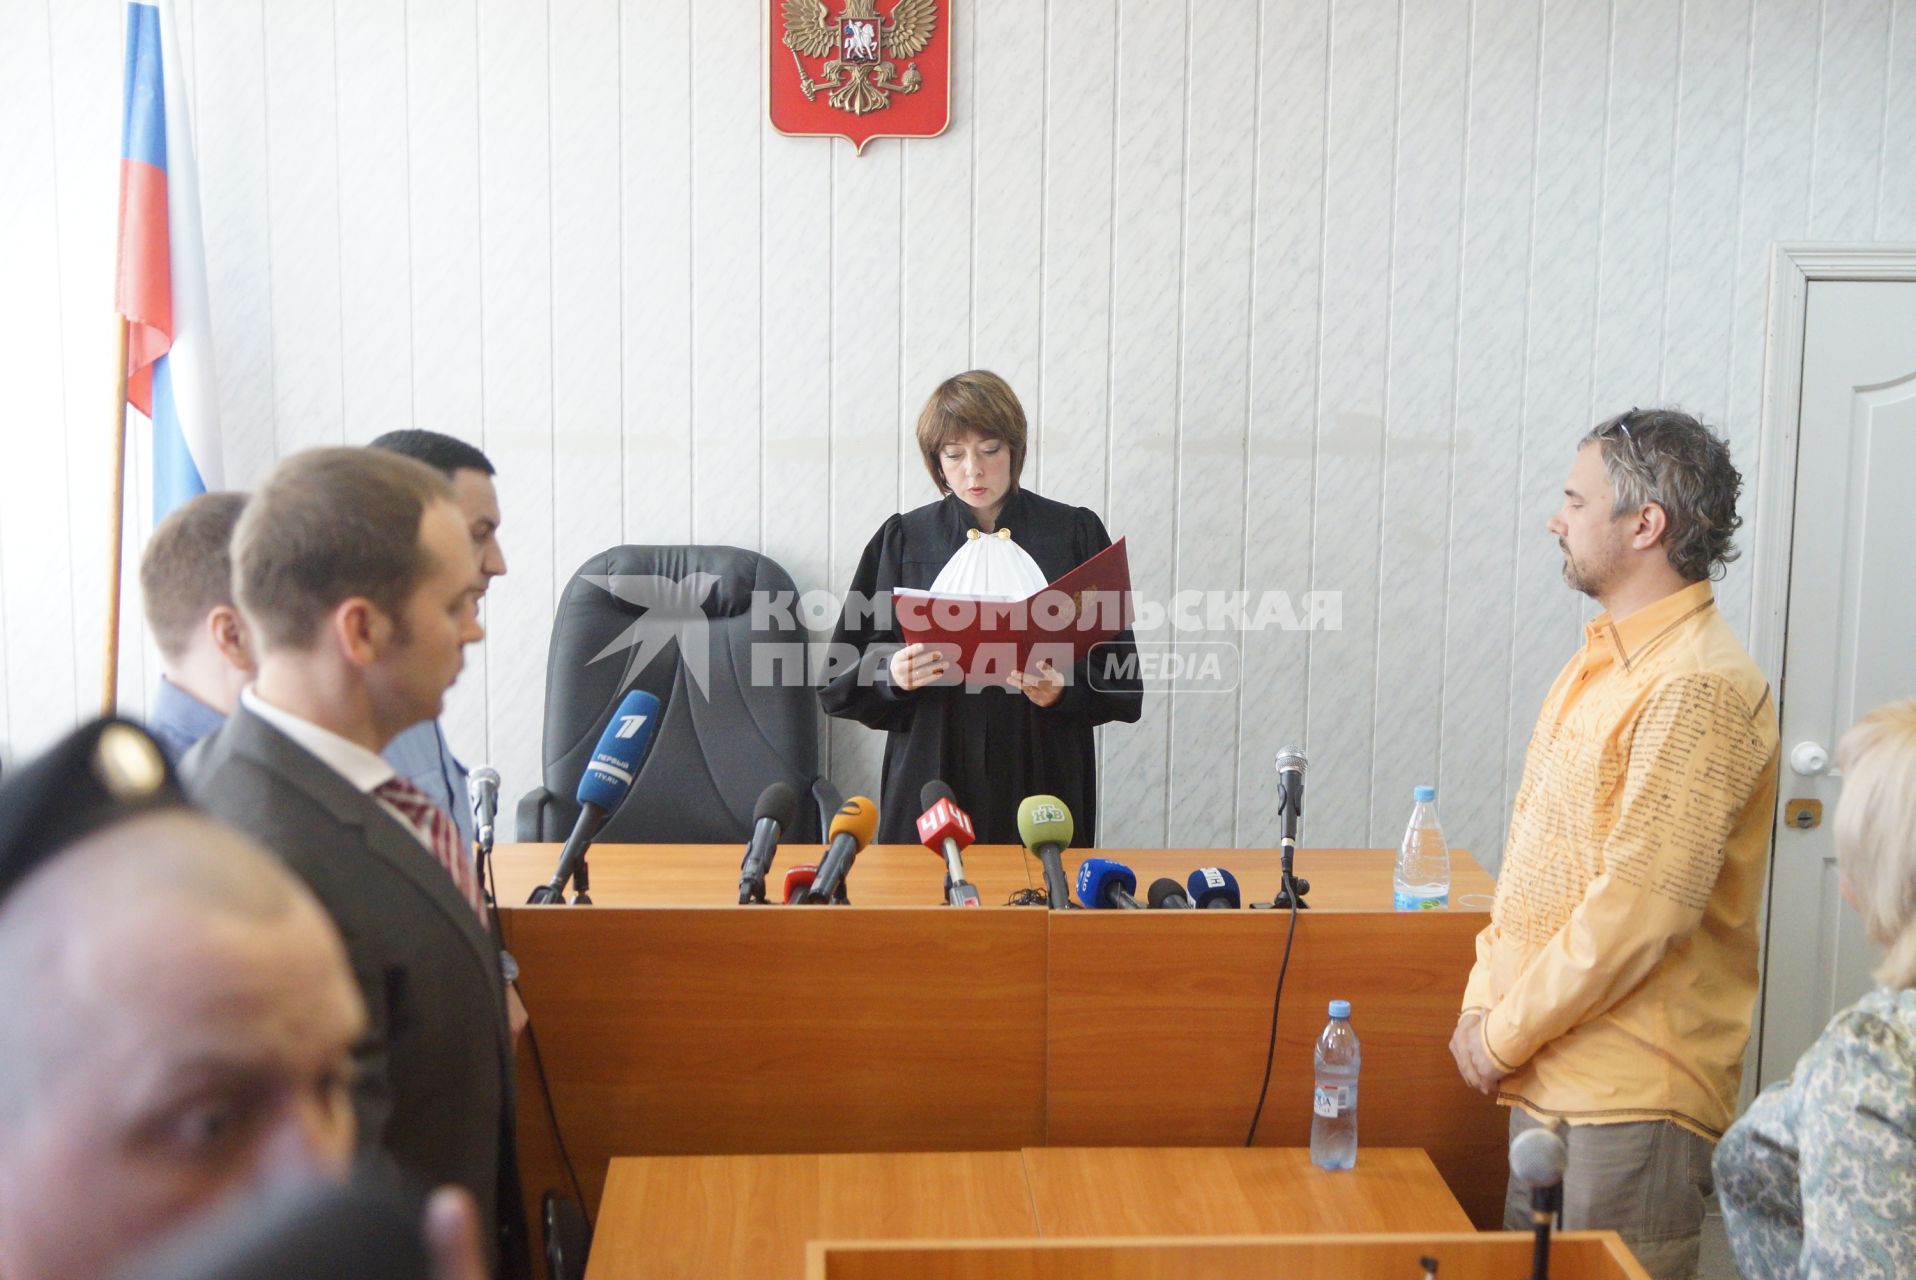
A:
[622,747]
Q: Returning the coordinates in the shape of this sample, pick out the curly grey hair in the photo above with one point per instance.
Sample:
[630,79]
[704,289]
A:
[1667,457]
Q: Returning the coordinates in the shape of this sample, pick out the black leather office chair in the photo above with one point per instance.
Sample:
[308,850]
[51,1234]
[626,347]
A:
[680,623]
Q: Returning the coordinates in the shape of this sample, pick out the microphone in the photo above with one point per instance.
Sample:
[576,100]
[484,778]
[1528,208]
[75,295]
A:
[1167,892]
[798,880]
[482,793]
[852,829]
[1290,807]
[945,829]
[776,809]
[1044,824]
[1538,1158]
[1213,887]
[603,787]
[1104,883]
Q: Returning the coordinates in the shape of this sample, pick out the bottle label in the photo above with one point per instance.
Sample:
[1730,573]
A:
[1415,902]
[1333,1100]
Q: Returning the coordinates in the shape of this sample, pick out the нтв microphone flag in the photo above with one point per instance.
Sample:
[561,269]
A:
[161,282]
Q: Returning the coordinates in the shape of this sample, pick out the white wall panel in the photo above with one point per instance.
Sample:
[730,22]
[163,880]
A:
[1312,293]
[1359,171]
[444,303]
[1487,521]
[1566,223]
[1419,425]
[1850,85]
[655,130]
[51,666]
[587,436]
[375,243]
[1281,452]
[1213,394]
[515,264]
[303,195]
[1147,239]
[1072,418]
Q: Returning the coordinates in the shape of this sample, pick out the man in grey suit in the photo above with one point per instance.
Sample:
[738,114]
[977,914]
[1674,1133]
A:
[355,575]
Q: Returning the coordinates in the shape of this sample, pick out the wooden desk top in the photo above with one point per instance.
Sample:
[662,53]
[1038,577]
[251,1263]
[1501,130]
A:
[679,875]
[749,1217]
[714,1217]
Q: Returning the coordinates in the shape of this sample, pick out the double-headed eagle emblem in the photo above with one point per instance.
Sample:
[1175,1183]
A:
[856,49]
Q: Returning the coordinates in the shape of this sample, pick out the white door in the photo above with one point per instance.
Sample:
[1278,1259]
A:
[1850,634]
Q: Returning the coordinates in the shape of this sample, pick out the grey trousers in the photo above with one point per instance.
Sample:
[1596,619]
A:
[1648,1181]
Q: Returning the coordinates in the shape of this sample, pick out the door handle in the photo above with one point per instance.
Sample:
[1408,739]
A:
[1810,759]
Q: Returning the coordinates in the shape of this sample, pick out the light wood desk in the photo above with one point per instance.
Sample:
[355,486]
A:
[683,1029]
[1574,1255]
[749,1217]
[706,875]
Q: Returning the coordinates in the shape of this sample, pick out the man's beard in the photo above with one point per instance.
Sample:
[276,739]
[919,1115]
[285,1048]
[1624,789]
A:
[1588,576]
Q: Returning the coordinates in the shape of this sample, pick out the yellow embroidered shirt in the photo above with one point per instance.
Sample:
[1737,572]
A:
[1618,972]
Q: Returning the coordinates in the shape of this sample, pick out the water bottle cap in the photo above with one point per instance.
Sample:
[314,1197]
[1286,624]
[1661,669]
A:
[1426,793]
[1340,1008]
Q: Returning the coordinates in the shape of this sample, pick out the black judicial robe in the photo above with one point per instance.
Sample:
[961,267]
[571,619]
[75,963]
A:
[992,744]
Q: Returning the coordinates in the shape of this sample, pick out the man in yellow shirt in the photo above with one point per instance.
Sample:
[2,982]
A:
[1613,988]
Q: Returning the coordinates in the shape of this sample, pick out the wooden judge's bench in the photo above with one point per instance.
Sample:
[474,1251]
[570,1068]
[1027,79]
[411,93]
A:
[673,1022]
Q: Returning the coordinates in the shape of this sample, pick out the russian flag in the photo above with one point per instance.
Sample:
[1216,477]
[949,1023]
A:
[161,287]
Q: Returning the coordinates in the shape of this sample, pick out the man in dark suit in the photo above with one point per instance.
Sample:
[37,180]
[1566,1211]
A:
[355,574]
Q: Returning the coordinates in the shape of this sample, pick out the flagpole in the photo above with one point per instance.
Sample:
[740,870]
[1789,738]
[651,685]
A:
[110,680]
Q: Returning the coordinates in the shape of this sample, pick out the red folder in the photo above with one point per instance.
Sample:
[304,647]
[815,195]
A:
[989,639]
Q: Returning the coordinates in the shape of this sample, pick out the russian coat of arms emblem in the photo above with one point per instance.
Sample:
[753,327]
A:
[861,74]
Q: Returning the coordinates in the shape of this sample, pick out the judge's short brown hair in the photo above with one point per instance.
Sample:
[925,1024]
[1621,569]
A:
[186,571]
[329,525]
[980,401]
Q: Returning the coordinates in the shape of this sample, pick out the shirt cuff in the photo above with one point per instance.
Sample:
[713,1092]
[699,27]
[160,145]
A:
[1503,1048]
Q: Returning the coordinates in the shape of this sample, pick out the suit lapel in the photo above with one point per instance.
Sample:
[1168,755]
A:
[385,837]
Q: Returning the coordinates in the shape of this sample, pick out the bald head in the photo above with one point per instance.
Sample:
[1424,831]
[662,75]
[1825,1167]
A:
[190,1039]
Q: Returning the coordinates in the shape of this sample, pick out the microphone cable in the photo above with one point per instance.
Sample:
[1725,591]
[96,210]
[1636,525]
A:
[1277,1000]
[539,1068]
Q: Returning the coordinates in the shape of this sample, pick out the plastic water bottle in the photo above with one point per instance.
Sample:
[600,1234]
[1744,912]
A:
[1423,862]
[1334,1108]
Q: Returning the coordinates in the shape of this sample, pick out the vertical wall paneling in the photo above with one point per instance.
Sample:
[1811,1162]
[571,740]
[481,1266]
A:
[1850,86]
[1281,453]
[1774,204]
[655,127]
[1566,222]
[587,469]
[1360,145]
[1008,192]
[236,215]
[1071,421]
[867,197]
[303,197]
[1485,512]
[86,139]
[1899,123]
[725,290]
[1707,172]
[1213,399]
[795,349]
[1419,429]
[1311,295]
[1146,253]
[515,248]
[50,663]
[442,220]
[1637,174]
[375,250]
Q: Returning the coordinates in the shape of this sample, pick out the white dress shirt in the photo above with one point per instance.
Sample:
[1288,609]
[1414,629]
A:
[365,770]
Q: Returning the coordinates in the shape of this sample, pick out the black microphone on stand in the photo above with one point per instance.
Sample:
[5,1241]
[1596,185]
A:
[1537,1159]
[777,809]
[1290,807]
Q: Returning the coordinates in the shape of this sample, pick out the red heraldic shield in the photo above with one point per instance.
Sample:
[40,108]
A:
[861,69]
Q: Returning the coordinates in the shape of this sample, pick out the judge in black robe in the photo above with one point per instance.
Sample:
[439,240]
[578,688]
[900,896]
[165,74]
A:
[994,745]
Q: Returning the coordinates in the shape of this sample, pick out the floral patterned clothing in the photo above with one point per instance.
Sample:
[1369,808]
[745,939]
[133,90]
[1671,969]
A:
[1818,1179]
